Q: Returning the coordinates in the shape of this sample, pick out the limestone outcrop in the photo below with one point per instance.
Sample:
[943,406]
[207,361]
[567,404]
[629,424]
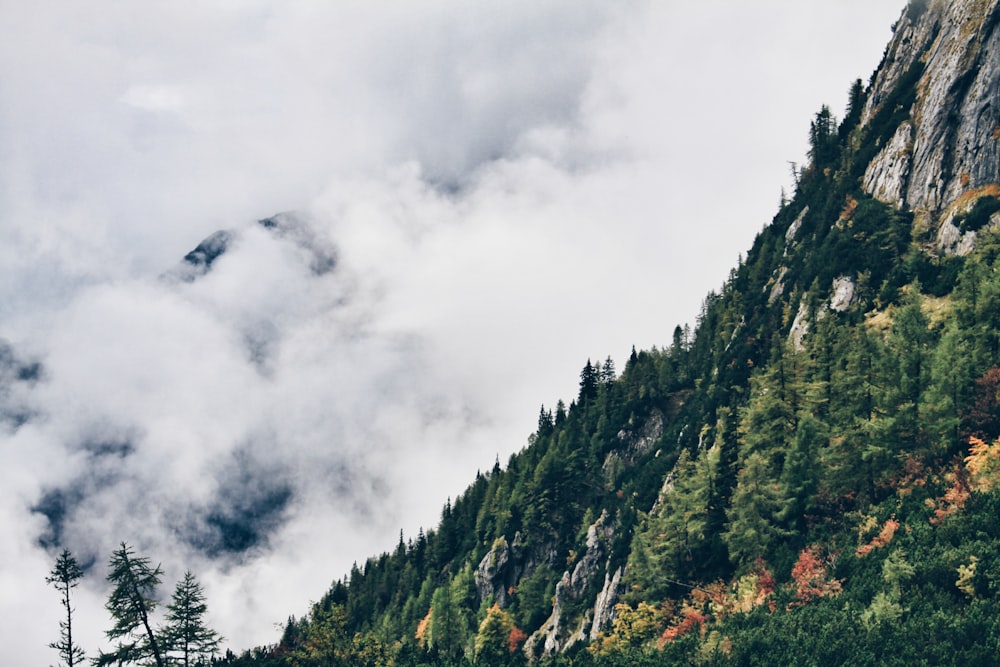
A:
[951,143]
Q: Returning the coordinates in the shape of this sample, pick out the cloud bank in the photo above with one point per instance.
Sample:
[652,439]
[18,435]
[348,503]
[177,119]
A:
[482,199]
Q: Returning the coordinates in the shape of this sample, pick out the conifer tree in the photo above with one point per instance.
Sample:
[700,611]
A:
[446,629]
[589,379]
[753,513]
[186,637]
[65,576]
[909,343]
[799,476]
[822,137]
[130,604]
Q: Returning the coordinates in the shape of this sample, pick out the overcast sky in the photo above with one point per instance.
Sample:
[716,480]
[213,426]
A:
[505,194]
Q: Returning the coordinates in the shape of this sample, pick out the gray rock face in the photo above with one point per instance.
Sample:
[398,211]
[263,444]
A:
[800,326]
[604,606]
[889,173]
[636,440]
[951,145]
[562,629]
[499,570]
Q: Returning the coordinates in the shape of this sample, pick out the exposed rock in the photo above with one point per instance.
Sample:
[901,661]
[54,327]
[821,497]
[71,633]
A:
[843,293]
[319,254]
[599,538]
[952,143]
[793,228]
[777,283]
[604,606]
[561,631]
[322,255]
[736,332]
[200,260]
[634,444]
[888,174]
[499,571]
[950,239]
[800,326]
[779,286]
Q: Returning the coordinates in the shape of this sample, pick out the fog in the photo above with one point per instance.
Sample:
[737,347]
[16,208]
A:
[472,201]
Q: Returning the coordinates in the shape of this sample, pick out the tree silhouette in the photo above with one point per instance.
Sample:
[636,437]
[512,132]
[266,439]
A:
[186,637]
[130,604]
[65,576]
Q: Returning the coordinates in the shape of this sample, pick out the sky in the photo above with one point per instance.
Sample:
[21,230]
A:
[475,199]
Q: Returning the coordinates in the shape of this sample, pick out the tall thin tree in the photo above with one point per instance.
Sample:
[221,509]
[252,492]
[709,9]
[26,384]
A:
[130,603]
[65,576]
[186,637]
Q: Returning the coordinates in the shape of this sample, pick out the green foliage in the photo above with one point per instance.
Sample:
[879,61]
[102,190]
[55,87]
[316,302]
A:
[186,638]
[493,640]
[533,598]
[131,602]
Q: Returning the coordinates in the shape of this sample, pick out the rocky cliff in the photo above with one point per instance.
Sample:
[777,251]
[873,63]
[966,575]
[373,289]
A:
[941,76]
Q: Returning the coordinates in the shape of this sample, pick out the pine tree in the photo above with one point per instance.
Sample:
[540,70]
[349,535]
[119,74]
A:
[186,636]
[130,604]
[65,576]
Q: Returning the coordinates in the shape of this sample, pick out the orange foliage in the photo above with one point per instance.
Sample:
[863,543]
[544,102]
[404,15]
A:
[515,639]
[812,578]
[765,580]
[849,208]
[980,473]
[690,619]
[952,502]
[422,627]
[983,464]
[883,538]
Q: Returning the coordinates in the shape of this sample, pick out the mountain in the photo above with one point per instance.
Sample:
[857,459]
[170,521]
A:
[809,475]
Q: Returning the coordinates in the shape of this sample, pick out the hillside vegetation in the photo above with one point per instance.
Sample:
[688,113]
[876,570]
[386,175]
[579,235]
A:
[810,475]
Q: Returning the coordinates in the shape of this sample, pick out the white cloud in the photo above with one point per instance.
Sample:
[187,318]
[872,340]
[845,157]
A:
[503,194]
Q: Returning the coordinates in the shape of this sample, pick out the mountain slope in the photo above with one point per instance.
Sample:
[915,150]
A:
[807,473]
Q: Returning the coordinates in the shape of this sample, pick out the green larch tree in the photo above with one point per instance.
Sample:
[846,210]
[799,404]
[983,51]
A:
[130,603]
[800,474]
[65,576]
[754,511]
[910,343]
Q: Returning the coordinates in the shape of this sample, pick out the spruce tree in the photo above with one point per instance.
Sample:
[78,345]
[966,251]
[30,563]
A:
[130,604]
[65,576]
[186,637]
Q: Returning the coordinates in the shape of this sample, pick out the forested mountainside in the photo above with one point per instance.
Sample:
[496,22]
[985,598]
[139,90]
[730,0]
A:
[810,475]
